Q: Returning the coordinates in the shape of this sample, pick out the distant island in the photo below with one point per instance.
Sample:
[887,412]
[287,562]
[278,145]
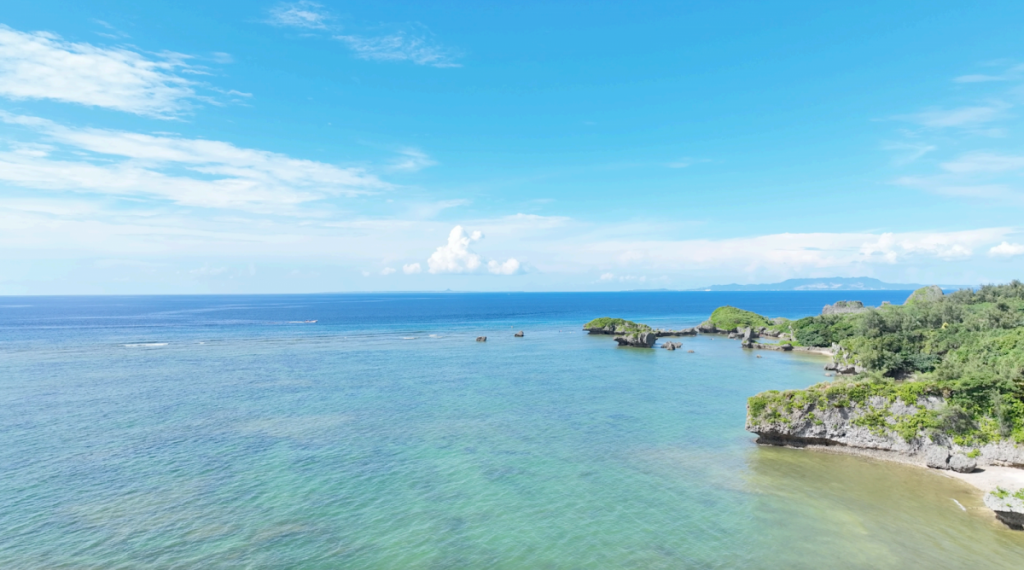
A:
[825,284]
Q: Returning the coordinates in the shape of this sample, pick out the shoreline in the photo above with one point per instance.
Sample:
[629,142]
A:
[985,479]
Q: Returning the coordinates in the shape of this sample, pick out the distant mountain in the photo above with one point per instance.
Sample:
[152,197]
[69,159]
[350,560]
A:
[824,284]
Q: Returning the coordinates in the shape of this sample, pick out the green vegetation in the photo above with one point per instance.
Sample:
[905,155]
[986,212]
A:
[728,318]
[620,325]
[967,347]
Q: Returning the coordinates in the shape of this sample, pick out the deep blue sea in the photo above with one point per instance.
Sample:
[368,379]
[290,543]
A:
[226,432]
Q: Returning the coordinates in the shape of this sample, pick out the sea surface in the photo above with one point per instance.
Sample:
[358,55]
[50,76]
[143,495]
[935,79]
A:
[226,432]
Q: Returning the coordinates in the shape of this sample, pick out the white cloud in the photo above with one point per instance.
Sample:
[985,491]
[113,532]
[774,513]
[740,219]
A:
[41,65]
[411,268]
[399,47]
[959,117]
[190,172]
[984,162]
[456,257]
[387,271]
[1007,249]
[510,267]
[775,253]
[412,160]
[302,14]
[607,276]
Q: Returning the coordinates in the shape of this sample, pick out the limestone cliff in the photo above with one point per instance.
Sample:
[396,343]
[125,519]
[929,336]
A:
[842,414]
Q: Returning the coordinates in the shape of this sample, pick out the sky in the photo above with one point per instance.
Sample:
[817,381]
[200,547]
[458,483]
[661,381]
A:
[168,147]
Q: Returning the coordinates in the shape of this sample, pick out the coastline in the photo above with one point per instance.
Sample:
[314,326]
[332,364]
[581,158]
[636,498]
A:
[985,479]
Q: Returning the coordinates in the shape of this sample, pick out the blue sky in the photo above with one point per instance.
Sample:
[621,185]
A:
[192,147]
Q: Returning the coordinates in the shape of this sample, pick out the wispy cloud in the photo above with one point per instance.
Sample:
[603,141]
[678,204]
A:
[984,162]
[302,14]
[41,65]
[190,172]
[1009,73]
[958,117]
[908,152]
[400,46]
[412,160]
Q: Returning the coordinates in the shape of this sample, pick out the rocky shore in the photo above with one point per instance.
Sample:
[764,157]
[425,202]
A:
[896,410]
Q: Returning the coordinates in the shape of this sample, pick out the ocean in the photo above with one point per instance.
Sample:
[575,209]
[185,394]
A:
[228,432]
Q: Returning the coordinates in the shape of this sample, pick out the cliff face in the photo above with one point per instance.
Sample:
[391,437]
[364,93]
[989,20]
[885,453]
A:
[883,424]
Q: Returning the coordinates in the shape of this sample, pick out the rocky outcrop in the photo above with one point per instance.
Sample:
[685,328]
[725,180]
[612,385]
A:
[682,332]
[606,325]
[829,417]
[962,464]
[707,327]
[1009,508]
[481,339]
[672,345]
[844,307]
[519,334]
[842,368]
[639,340]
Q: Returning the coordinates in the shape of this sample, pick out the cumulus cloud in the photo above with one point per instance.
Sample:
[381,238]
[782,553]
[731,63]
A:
[41,65]
[399,47]
[387,271]
[302,14]
[1007,249]
[456,256]
[411,268]
[185,171]
[510,267]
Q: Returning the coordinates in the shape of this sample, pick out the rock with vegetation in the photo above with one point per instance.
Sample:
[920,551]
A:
[928,294]
[730,319]
[607,325]
[962,464]
[844,307]
[1008,506]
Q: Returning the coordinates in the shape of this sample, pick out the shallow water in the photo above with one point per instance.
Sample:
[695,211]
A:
[214,432]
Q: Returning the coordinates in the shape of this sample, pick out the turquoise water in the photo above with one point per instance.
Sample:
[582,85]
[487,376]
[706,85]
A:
[218,433]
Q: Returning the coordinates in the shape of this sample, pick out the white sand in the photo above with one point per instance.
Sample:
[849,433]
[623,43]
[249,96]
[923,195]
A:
[991,476]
